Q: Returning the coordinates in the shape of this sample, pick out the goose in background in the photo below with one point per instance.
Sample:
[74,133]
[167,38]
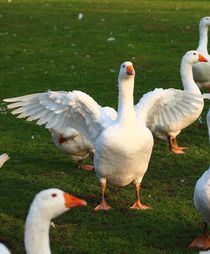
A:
[47,205]
[3,158]
[75,145]
[160,121]
[201,71]
[123,145]
[202,205]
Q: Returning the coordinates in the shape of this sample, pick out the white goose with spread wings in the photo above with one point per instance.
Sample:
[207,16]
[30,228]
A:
[123,146]
[168,111]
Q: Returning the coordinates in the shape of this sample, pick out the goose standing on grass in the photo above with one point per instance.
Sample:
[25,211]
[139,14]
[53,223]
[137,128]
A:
[157,115]
[47,205]
[75,145]
[3,158]
[122,146]
[201,71]
[202,205]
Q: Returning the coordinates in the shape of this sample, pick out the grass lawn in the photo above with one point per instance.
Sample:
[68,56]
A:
[43,45]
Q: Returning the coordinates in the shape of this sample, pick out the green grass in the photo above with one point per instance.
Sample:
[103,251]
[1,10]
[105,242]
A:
[44,46]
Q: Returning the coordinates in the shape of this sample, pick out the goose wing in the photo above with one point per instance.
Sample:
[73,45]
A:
[60,109]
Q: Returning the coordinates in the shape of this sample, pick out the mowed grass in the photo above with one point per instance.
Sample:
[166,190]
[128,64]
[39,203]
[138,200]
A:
[43,45]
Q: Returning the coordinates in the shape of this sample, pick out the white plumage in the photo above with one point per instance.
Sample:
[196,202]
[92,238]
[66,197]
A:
[202,205]
[208,123]
[74,144]
[168,111]
[47,205]
[3,158]
[201,71]
[123,143]
[4,249]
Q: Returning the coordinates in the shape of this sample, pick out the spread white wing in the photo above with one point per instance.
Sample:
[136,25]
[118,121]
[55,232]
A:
[162,108]
[59,110]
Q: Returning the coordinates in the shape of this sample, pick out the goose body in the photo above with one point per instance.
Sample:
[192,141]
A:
[74,144]
[202,205]
[201,71]
[160,118]
[123,143]
[3,158]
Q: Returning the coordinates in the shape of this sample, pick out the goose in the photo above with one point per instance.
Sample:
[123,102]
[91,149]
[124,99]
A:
[74,144]
[202,205]
[47,205]
[208,123]
[156,122]
[123,146]
[201,71]
[3,158]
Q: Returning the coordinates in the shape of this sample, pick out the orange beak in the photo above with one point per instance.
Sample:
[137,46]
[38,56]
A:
[201,58]
[130,70]
[71,201]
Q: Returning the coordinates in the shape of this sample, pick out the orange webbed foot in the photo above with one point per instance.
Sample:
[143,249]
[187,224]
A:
[139,206]
[202,242]
[102,206]
[177,151]
[86,167]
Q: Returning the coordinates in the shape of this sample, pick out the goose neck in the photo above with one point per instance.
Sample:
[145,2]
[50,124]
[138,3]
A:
[203,39]
[37,234]
[187,78]
[126,110]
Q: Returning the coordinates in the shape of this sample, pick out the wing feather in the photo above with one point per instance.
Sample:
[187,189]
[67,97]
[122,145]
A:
[60,109]
[162,108]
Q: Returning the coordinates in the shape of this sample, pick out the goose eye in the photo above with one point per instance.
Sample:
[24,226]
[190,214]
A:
[123,66]
[54,195]
[207,18]
[194,54]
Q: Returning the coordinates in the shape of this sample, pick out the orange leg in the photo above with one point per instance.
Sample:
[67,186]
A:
[202,241]
[103,205]
[174,147]
[138,204]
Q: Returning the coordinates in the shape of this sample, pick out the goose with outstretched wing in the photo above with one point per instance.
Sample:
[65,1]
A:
[123,146]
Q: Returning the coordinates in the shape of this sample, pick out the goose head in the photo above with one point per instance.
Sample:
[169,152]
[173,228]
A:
[193,57]
[126,71]
[205,21]
[53,202]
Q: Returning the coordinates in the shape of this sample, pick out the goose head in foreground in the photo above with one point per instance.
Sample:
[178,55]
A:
[202,205]
[46,205]
[201,71]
